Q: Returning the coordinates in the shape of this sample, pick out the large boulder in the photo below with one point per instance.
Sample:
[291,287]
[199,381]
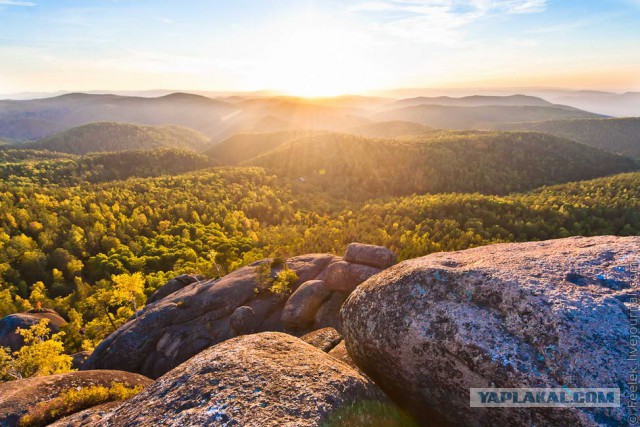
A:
[345,276]
[10,324]
[374,256]
[542,314]
[243,320]
[25,397]
[301,308]
[179,326]
[266,379]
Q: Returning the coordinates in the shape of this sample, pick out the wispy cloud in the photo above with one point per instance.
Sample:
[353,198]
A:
[17,3]
[439,21]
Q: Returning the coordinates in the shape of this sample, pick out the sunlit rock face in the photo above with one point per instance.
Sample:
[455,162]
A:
[540,314]
[190,313]
[25,397]
[265,379]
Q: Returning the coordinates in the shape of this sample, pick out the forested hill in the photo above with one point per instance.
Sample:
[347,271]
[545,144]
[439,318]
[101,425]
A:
[615,135]
[46,167]
[244,146]
[112,136]
[488,162]
[389,129]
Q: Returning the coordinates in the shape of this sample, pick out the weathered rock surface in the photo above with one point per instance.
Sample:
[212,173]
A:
[540,314]
[374,256]
[345,276]
[328,316]
[87,417]
[243,320]
[174,285]
[340,353]
[323,339]
[9,324]
[21,396]
[170,330]
[266,379]
[301,307]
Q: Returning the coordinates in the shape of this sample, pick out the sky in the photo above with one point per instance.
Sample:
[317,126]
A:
[318,48]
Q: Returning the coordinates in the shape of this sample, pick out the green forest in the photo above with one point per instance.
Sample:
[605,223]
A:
[65,245]
[87,234]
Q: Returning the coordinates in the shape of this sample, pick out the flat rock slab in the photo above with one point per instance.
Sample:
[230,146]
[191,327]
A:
[266,379]
[540,314]
[18,398]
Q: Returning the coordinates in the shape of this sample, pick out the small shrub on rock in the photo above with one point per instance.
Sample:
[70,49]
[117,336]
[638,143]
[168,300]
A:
[72,401]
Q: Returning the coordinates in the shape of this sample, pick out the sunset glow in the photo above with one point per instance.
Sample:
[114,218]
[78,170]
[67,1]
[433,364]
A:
[314,48]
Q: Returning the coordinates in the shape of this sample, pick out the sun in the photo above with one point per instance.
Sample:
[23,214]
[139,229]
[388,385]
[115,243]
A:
[315,61]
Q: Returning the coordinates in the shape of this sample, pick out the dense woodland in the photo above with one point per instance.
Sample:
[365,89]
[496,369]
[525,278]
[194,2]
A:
[65,244]
[46,167]
[491,163]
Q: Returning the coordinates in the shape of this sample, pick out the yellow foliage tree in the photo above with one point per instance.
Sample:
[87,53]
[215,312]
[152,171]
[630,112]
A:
[128,288]
[40,355]
[38,294]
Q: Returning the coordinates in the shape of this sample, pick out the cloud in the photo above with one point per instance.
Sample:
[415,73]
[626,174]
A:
[439,21]
[17,3]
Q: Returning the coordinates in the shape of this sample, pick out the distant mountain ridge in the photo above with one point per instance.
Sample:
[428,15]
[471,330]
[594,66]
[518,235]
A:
[616,135]
[473,101]
[612,104]
[35,119]
[219,119]
[485,117]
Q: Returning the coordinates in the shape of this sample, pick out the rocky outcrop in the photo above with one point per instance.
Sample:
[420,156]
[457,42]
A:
[374,256]
[541,314]
[266,379]
[9,325]
[170,330]
[345,276]
[324,339]
[22,397]
[174,285]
